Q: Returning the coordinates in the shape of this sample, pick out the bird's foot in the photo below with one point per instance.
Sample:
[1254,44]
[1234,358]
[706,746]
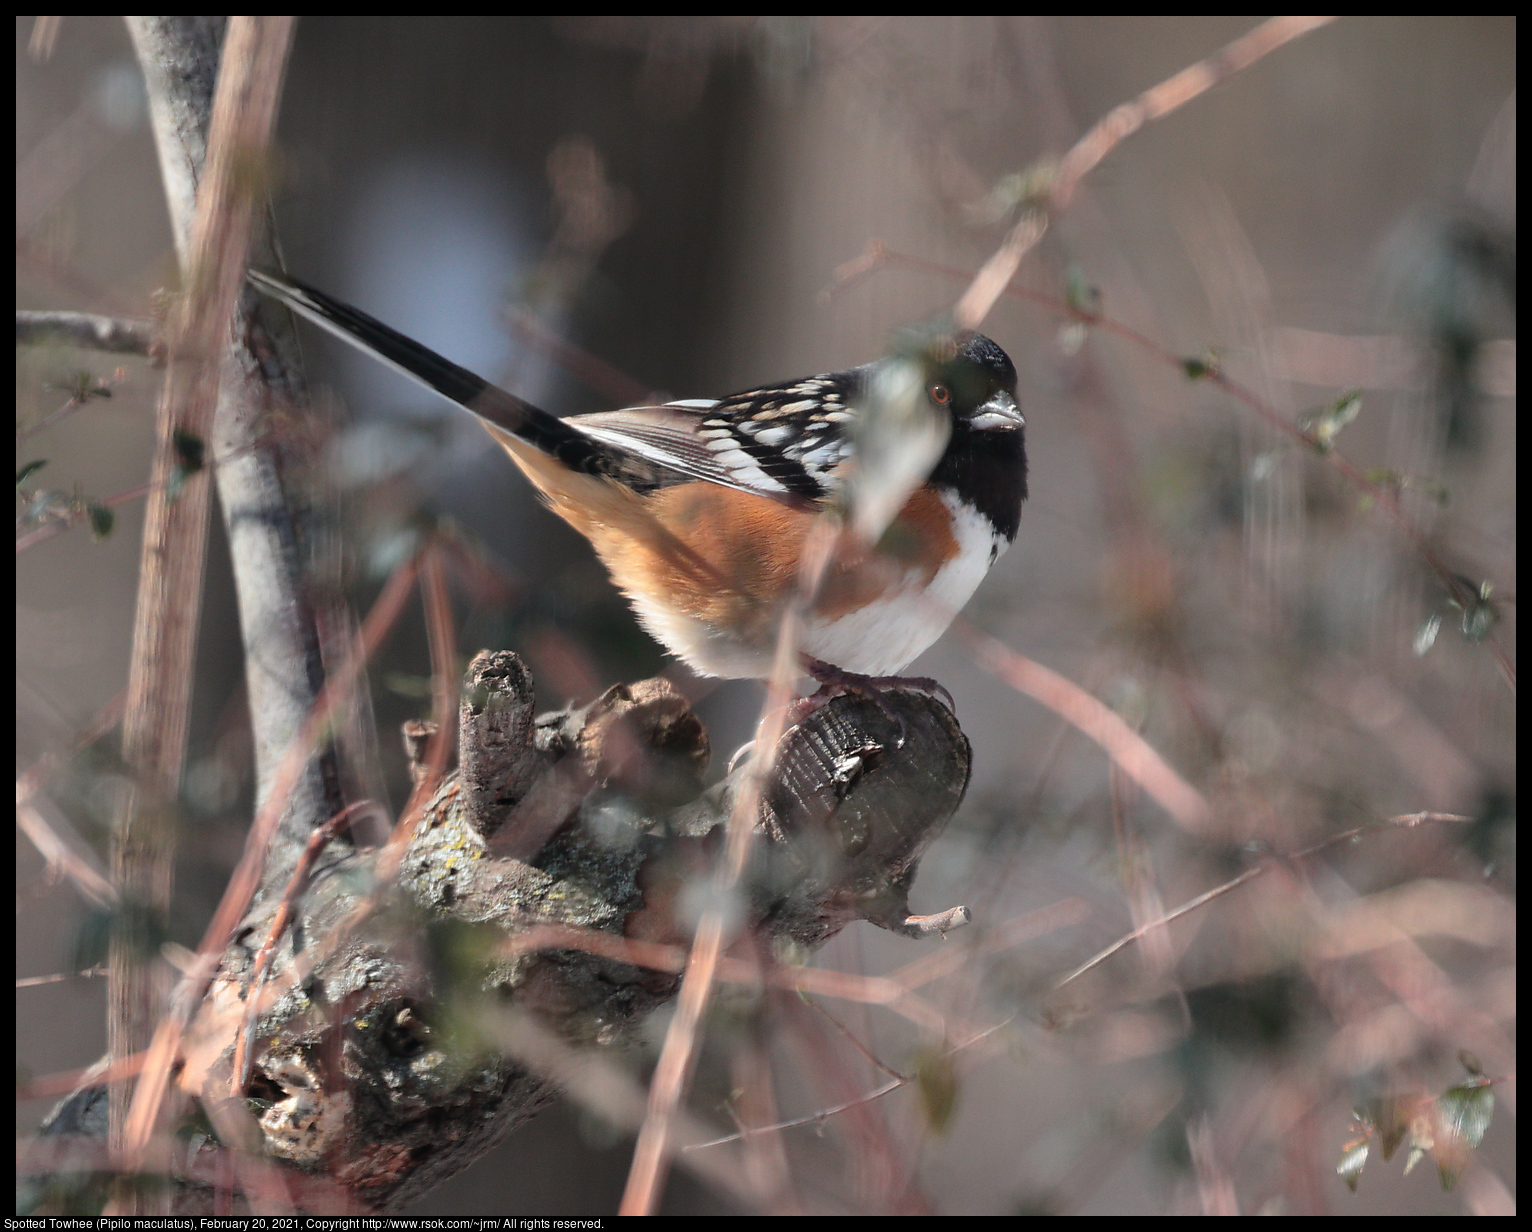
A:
[835,681]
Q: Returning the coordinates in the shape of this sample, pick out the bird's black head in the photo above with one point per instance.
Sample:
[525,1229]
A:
[976,381]
[986,461]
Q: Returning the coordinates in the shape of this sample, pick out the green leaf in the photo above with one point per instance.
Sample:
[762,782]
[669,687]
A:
[1391,1118]
[31,468]
[1479,618]
[1323,424]
[101,518]
[1474,1106]
[1463,1115]
[936,1077]
[1079,294]
[1346,408]
[77,384]
[1425,636]
[190,450]
[1353,1159]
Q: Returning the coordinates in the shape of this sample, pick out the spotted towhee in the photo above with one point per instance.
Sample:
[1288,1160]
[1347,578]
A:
[700,508]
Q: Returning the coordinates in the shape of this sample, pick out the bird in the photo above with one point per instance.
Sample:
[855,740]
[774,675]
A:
[700,508]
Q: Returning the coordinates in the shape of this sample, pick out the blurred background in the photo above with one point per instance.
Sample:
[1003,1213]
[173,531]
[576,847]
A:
[595,210]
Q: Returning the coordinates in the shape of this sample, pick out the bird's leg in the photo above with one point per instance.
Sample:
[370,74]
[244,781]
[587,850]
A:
[834,680]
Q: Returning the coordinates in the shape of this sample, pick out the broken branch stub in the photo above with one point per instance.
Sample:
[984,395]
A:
[375,1061]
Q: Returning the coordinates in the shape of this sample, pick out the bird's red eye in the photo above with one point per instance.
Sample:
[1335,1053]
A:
[940,395]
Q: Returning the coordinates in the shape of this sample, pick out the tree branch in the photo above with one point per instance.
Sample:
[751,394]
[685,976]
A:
[170,571]
[1104,136]
[291,640]
[402,1026]
[118,335]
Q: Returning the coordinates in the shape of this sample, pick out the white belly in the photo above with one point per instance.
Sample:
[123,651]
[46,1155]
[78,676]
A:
[881,639]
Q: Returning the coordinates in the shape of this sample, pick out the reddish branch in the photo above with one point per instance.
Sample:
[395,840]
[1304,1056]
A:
[247,875]
[991,281]
[1406,822]
[1383,495]
[651,1155]
[170,571]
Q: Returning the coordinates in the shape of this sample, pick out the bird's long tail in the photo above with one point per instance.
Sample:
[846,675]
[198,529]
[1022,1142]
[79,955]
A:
[503,413]
[545,447]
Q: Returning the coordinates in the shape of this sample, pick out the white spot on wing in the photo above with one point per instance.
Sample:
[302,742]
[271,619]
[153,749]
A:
[826,453]
[743,468]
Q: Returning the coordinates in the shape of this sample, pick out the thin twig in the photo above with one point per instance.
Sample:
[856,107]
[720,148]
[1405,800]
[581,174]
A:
[1129,751]
[862,1048]
[824,1114]
[1382,495]
[63,857]
[605,1088]
[1107,133]
[51,1086]
[1407,821]
[646,1176]
[117,335]
[43,533]
[444,686]
[656,956]
[78,515]
[1174,92]
[240,1078]
[1029,927]
[35,981]
[50,844]
[813,1118]
[247,874]
[72,404]
[868,1138]
[175,532]
[753,1102]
